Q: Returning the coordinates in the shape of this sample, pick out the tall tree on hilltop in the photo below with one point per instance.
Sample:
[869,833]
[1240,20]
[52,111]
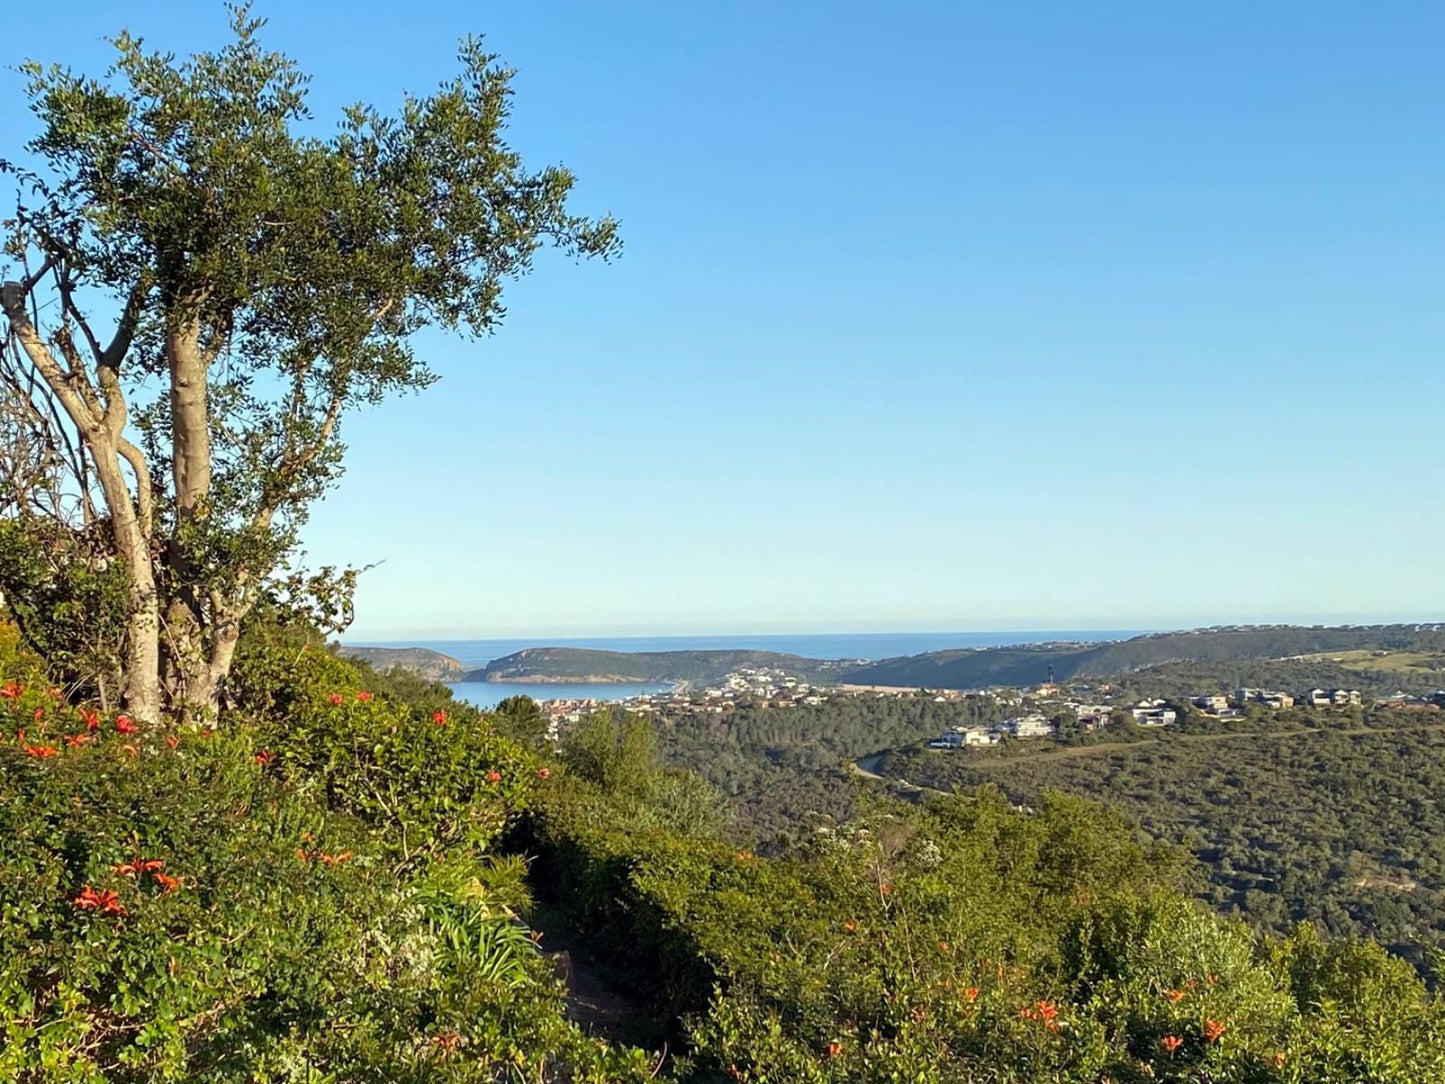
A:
[198,288]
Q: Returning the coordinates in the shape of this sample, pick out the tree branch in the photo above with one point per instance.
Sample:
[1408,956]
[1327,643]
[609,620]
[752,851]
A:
[65,385]
[138,465]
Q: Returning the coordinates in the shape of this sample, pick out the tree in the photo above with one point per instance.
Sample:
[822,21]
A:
[264,279]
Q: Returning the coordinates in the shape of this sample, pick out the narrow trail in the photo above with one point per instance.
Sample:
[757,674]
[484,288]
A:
[595,1004]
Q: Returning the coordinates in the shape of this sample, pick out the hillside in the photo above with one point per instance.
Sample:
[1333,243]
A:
[575,664]
[432,665]
[1030,664]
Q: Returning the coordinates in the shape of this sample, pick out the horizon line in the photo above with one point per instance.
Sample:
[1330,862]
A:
[1123,628]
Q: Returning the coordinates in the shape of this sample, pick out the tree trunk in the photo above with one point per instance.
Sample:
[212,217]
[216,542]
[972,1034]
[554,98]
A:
[191,686]
[142,695]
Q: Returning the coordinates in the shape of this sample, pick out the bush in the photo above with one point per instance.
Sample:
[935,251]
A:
[191,906]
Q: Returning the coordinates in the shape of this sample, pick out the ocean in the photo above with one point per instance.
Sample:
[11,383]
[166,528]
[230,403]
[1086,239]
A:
[841,645]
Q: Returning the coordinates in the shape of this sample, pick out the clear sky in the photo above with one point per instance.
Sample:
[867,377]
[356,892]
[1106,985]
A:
[933,315]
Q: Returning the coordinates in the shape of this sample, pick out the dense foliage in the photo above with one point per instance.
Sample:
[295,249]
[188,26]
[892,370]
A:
[336,886]
[1337,825]
[1031,664]
[966,941]
[305,895]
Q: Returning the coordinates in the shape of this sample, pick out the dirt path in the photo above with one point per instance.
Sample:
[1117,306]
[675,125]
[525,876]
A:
[595,1004]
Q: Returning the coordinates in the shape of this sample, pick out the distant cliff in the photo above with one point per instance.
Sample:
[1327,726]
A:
[432,665]
[583,665]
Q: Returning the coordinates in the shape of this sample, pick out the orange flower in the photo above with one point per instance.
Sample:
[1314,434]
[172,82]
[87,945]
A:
[106,902]
[1047,1011]
[1213,1029]
[335,859]
[153,866]
[11,690]
[335,699]
[439,717]
[41,751]
[131,749]
[447,1042]
[835,1048]
[39,714]
[743,856]
[494,776]
[971,994]
[1171,1043]
[1176,996]
[168,884]
[1278,1059]
[124,724]
[362,697]
[91,719]
[54,694]
[851,926]
[886,889]
[264,757]
[543,773]
[73,740]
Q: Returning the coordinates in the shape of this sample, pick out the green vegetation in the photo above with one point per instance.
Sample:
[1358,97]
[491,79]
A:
[1031,664]
[1336,825]
[270,864]
[578,664]
[432,665]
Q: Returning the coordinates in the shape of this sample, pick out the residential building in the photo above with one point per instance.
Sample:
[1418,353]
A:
[1154,716]
[1027,726]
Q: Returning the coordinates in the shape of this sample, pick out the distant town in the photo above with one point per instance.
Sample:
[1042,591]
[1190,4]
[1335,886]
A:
[1085,707]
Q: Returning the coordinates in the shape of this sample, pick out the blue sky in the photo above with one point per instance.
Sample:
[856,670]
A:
[930,316]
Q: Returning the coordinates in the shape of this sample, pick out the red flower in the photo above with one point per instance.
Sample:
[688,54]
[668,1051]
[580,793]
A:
[264,757]
[41,751]
[168,884]
[1213,1029]
[494,776]
[971,994]
[73,740]
[172,740]
[124,725]
[107,901]
[91,719]
[362,697]
[439,717]
[11,690]
[335,699]
[543,773]
[1171,1043]
[835,1048]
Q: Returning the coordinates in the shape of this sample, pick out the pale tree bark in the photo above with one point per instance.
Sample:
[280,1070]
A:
[189,673]
[99,429]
